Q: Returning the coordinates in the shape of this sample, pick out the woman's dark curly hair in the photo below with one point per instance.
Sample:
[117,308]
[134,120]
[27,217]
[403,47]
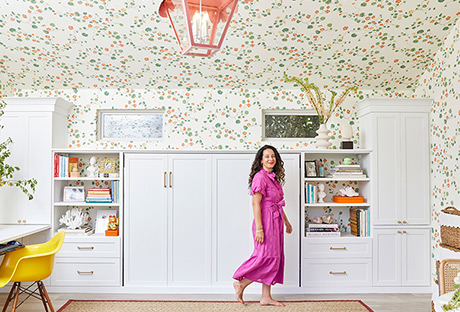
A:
[256,165]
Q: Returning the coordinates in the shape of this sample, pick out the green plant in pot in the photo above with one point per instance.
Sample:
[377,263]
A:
[316,98]
[7,171]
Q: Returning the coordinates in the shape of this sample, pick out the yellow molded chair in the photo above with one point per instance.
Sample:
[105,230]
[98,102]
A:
[32,263]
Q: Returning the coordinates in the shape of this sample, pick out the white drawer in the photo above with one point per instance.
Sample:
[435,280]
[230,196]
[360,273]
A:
[337,272]
[90,247]
[86,272]
[337,247]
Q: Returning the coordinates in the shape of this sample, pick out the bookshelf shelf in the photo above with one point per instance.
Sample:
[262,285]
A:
[333,180]
[86,179]
[331,204]
[69,204]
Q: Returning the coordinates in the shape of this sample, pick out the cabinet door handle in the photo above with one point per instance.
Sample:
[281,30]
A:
[399,221]
[405,222]
[399,232]
[84,247]
[338,273]
[164,180]
[19,221]
[24,221]
[338,248]
[170,179]
[85,272]
[404,232]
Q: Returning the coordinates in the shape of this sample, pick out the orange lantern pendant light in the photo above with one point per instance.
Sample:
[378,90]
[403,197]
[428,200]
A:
[199,25]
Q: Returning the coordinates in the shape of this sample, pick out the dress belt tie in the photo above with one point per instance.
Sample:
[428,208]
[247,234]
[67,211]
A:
[277,209]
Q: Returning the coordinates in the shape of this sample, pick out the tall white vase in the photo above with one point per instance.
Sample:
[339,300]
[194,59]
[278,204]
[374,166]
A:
[323,137]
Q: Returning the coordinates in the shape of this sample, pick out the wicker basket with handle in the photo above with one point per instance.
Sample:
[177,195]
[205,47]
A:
[450,228]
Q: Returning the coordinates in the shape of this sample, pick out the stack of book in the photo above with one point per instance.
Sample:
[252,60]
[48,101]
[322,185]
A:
[347,172]
[63,165]
[99,195]
[323,230]
[310,193]
[359,222]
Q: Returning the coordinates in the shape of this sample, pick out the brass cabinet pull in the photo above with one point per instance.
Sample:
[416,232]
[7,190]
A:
[83,272]
[24,221]
[338,248]
[164,180]
[338,273]
[404,232]
[405,222]
[170,179]
[19,221]
[89,247]
[399,232]
[399,221]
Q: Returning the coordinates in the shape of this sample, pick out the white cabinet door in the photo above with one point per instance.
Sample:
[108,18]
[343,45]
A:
[292,198]
[232,215]
[387,158]
[145,247]
[189,217]
[415,170]
[31,152]
[387,257]
[416,264]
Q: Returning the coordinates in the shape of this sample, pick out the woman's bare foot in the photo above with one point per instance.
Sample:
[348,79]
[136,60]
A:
[238,291]
[271,301]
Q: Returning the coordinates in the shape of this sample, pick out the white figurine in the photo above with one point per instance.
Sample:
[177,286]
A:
[74,218]
[321,193]
[92,168]
[348,191]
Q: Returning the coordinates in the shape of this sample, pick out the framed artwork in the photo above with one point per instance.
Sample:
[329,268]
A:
[108,165]
[125,124]
[310,169]
[74,194]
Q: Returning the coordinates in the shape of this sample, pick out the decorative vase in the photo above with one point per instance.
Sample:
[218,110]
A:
[322,139]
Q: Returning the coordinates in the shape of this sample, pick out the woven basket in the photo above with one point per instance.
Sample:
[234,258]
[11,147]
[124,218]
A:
[450,227]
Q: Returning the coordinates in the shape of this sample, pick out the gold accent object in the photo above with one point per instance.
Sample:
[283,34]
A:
[83,272]
[89,247]
[338,248]
[338,273]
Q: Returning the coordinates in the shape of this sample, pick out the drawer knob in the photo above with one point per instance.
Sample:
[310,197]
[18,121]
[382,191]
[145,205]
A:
[338,273]
[399,232]
[338,248]
[85,272]
[399,221]
[404,232]
[84,247]
[405,222]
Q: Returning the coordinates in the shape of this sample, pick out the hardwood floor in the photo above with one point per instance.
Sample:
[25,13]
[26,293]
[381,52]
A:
[377,302]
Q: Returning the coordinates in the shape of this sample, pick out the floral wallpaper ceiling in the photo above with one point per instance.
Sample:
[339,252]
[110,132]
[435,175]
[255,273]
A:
[377,45]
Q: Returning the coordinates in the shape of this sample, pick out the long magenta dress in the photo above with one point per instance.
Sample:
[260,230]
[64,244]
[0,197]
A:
[266,264]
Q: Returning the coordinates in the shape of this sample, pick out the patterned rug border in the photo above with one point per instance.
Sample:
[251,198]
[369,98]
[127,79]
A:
[219,301]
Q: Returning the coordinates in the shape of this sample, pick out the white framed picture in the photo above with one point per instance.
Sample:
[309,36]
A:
[74,194]
[130,124]
[102,220]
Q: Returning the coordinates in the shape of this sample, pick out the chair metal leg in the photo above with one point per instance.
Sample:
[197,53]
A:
[9,297]
[47,297]
[16,297]
[42,295]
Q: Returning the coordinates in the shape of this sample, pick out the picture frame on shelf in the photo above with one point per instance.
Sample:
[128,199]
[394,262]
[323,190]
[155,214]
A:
[311,170]
[74,194]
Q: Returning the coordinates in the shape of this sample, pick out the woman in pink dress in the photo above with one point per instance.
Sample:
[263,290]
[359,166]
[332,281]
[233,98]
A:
[266,264]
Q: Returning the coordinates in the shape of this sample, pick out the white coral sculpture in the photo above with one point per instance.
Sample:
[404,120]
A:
[74,218]
[348,191]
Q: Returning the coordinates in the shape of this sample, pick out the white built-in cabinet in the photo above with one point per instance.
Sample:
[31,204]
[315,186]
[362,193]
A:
[188,219]
[35,125]
[398,133]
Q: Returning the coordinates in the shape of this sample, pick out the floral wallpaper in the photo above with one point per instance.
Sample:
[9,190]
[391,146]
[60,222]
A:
[441,82]
[382,45]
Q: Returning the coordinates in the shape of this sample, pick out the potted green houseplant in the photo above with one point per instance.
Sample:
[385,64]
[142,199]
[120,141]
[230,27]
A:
[7,171]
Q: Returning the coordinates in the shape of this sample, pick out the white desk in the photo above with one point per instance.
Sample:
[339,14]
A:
[9,232]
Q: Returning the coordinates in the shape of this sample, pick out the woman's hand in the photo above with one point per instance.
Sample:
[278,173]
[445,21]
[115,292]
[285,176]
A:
[260,236]
[288,227]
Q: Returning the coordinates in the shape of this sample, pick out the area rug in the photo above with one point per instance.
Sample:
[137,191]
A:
[211,306]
